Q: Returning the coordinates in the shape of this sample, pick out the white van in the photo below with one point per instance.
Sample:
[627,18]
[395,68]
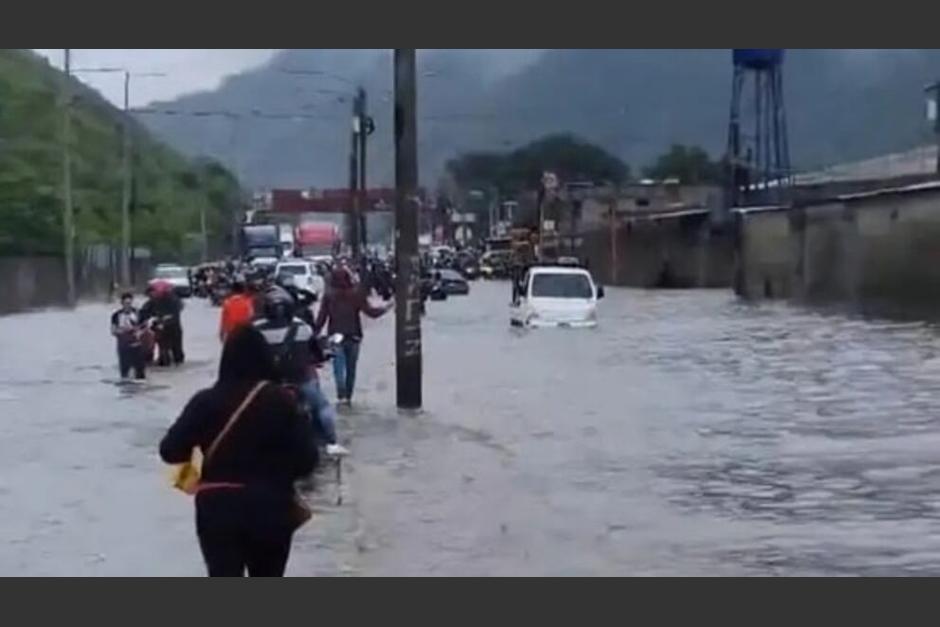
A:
[303,273]
[556,296]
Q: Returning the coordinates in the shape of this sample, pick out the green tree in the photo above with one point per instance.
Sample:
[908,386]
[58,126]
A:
[169,190]
[571,158]
[690,164]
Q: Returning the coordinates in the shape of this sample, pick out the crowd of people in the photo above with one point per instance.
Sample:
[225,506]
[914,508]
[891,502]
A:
[266,419]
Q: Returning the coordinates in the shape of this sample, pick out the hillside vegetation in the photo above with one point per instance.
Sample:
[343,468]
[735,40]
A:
[169,189]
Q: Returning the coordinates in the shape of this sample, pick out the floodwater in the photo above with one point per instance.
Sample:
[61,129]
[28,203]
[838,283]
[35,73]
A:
[690,434]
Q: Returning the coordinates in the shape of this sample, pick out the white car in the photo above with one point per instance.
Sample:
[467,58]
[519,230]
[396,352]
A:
[175,275]
[556,296]
[304,274]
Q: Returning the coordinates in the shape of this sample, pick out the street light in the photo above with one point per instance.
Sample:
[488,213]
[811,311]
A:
[126,165]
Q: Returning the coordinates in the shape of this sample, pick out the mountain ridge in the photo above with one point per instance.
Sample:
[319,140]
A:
[842,105]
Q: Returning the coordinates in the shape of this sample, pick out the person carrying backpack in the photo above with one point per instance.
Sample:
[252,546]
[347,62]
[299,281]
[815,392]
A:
[295,351]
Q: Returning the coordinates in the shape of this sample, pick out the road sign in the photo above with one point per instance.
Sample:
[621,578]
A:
[549,181]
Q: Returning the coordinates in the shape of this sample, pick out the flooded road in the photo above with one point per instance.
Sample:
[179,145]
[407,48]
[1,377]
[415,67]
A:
[690,434]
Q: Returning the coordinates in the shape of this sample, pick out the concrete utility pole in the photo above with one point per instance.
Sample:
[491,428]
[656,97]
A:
[233,148]
[126,279]
[203,232]
[363,126]
[126,165]
[612,217]
[68,226]
[407,260]
[355,215]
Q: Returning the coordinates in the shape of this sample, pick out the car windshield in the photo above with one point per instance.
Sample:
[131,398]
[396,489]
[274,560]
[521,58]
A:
[451,275]
[296,270]
[170,273]
[561,286]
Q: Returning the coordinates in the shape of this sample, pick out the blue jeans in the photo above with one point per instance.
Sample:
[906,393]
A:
[344,368]
[321,412]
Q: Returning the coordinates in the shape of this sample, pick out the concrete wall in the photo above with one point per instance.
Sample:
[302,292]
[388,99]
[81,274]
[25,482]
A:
[30,282]
[681,250]
[876,252]
[36,282]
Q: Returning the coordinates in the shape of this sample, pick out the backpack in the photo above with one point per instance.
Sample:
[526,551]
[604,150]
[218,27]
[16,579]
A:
[289,359]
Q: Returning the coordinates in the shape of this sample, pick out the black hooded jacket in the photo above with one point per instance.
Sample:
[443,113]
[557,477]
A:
[270,446]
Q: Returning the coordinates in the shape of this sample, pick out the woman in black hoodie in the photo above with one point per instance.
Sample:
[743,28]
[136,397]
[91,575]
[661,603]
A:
[245,509]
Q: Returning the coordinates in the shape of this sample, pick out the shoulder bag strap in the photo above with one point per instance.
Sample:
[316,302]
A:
[232,420]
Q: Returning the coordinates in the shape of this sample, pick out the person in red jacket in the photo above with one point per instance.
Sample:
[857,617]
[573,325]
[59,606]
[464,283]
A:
[238,310]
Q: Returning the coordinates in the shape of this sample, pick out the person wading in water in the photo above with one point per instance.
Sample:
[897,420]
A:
[126,328]
[245,503]
[340,312]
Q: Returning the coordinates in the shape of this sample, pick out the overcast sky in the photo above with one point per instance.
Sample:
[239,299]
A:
[187,70]
[190,70]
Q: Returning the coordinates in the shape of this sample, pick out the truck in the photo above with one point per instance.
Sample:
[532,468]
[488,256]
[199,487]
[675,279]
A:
[260,244]
[286,235]
[317,240]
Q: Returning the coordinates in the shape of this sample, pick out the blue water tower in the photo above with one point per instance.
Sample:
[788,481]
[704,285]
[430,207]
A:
[758,150]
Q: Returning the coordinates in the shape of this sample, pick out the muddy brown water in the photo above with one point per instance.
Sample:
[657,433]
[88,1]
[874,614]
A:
[689,434]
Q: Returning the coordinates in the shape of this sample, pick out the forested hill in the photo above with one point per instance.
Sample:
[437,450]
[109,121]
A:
[169,189]
[842,105]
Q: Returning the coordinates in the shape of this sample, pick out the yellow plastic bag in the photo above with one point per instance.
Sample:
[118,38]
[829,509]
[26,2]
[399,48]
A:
[185,477]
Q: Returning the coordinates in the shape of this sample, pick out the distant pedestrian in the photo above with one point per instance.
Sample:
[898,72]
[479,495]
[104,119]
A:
[238,310]
[246,512]
[126,328]
[340,313]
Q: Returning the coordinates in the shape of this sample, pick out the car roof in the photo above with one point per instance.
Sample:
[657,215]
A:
[557,270]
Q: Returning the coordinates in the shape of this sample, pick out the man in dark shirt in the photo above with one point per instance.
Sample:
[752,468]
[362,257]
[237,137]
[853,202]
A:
[125,327]
[163,310]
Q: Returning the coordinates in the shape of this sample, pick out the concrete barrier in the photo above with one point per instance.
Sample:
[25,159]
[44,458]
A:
[680,250]
[31,282]
[877,252]
[35,282]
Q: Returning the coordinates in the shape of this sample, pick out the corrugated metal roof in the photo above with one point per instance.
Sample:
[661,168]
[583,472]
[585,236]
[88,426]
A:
[917,161]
